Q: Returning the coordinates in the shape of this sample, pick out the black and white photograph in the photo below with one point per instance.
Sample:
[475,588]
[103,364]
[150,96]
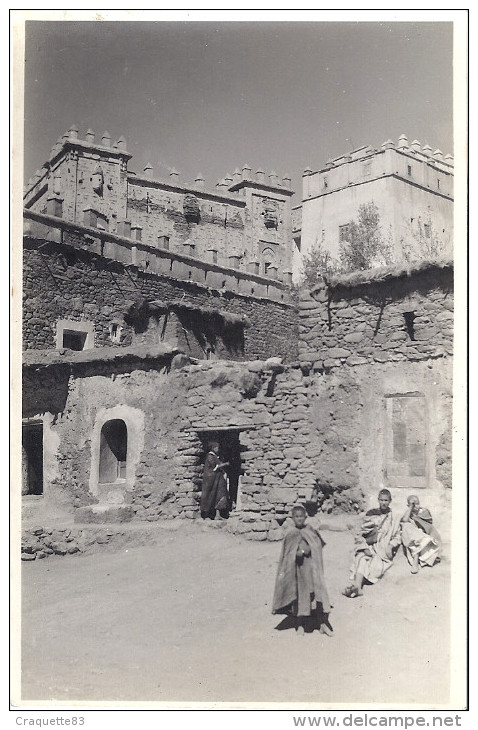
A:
[239,437]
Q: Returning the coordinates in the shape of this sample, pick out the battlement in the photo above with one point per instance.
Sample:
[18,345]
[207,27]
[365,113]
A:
[414,149]
[70,140]
[242,222]
[237,182]
[412,163]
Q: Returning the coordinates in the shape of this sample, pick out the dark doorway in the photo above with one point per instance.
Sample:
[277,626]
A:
[113,451]
[32,458]
[229,450]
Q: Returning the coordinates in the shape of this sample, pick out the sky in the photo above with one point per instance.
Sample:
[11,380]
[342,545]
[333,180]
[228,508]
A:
[209,97]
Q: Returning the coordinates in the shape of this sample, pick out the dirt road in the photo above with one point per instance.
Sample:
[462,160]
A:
[188,619]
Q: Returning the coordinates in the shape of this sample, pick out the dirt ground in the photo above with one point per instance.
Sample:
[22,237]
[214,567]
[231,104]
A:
[188,619]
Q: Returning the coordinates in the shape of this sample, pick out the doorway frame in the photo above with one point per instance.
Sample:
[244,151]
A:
[35,421]
[203,431]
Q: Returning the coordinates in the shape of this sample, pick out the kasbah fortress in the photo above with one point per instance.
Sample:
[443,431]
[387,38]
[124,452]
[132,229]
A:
[159,314]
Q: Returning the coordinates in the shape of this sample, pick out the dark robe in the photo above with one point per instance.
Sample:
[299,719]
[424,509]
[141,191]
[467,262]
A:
[300,587]
[214,488]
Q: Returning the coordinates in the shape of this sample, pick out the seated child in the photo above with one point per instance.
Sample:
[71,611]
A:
[421,541]
[300,588]
[375,545]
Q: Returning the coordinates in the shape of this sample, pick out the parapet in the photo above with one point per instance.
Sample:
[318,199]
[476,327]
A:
[105,145]
[155,261]
[71,139]
[423,153]
[271,181]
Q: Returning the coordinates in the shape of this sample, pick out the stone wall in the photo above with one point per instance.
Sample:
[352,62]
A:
[64,282]
[294,431]
[360,319]
[343,421]
[370,341]
[267,407]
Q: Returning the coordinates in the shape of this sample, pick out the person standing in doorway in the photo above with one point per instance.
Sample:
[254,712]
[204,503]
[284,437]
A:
[214,496]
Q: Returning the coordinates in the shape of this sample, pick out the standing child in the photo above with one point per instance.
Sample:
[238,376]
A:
[300,588]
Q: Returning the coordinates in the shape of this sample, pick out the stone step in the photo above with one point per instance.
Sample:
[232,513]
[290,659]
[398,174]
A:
[101,513]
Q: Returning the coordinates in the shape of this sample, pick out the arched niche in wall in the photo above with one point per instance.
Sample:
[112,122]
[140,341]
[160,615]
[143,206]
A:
[113,452]
[268,261]
[117,441]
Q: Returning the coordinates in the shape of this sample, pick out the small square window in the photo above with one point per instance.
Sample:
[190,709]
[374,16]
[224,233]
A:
[74,340]
[75,335]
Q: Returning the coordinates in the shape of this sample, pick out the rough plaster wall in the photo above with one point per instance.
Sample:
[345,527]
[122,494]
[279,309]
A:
[297,430]
[92,393]
[66,284]
[336,421]
[434,380]
[134,422]
[40,204]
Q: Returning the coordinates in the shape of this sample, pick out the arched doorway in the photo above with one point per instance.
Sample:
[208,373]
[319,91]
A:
[113,452]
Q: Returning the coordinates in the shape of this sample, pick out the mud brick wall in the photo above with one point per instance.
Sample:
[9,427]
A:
[406,318]
[160,212]
[61,282]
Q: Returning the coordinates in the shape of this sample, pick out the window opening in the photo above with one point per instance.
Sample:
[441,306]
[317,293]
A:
[74,340]
[409,318]
[116,331]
